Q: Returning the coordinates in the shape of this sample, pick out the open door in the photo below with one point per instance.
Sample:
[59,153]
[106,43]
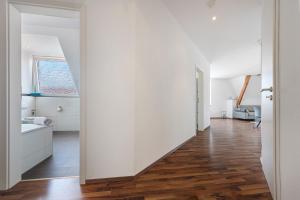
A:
[267,101]
[199,100]
[14,70]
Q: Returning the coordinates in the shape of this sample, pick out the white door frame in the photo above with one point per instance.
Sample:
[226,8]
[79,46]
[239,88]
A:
[199,126]
[276,98]
[276,105]
[82,11]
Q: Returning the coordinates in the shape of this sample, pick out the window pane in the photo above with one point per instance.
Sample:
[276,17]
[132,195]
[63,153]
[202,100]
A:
[55,78]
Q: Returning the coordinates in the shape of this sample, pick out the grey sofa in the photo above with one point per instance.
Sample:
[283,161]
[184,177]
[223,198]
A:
[245,112]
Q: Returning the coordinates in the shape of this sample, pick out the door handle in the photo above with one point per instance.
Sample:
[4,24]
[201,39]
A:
[270,89]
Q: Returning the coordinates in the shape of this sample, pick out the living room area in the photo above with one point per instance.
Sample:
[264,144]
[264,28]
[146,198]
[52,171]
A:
[237,98]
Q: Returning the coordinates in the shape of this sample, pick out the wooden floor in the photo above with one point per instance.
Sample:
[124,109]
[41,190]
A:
[219,164]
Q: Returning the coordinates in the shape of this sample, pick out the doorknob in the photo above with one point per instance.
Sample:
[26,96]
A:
[270,89]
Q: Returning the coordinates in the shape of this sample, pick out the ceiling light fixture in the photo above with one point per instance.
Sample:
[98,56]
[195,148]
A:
[211,3]
[214,18]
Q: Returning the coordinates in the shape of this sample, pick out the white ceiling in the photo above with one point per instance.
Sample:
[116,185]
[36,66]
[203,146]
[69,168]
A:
[231,43]
[50,21]
[42,45]
[76,4]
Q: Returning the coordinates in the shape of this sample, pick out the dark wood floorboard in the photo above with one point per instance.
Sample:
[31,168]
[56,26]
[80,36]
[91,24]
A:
[222,163]
[65,159]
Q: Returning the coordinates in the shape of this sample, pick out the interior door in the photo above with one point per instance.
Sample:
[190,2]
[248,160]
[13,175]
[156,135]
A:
[267,125]
[199,100]
[14,90]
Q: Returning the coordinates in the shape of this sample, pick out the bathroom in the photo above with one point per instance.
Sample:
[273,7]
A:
[50,73]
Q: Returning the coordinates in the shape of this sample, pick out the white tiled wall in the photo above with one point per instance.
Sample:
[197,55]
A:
[66,120]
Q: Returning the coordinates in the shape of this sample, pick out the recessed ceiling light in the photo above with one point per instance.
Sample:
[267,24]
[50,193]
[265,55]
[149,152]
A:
[214,18]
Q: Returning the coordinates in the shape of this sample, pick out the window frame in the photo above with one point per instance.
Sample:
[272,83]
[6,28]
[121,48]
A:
[35,74]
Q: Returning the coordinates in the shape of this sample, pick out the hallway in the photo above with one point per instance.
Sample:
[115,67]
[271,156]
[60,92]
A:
[219,164]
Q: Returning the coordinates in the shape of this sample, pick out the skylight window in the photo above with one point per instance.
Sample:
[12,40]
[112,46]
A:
[54,78]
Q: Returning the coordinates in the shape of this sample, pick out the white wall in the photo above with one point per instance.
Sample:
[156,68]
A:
[267,111]
[26,72]
[289,60]
[3,99]
[130,90]
[109,89]
[252,95]
[221,91]
[119,66]
[28,103]
[224,89]
[14,97]
[165,83]
[66,120]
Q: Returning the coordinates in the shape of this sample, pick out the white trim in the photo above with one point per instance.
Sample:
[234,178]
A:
[276,105]
[200,126]
[83,95]
[14,171]
[7,98]
[49,4]
[81,10]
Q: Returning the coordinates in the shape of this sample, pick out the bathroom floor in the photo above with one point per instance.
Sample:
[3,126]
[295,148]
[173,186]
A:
[65,159]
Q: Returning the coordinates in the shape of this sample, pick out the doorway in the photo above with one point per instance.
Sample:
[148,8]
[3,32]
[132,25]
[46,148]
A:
[199,100]
[44,93]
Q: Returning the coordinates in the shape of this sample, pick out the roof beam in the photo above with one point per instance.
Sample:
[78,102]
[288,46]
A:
[243,90]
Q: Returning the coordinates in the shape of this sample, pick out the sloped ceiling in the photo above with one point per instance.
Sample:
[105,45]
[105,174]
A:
[64,29]
[231,43]
[41,45]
